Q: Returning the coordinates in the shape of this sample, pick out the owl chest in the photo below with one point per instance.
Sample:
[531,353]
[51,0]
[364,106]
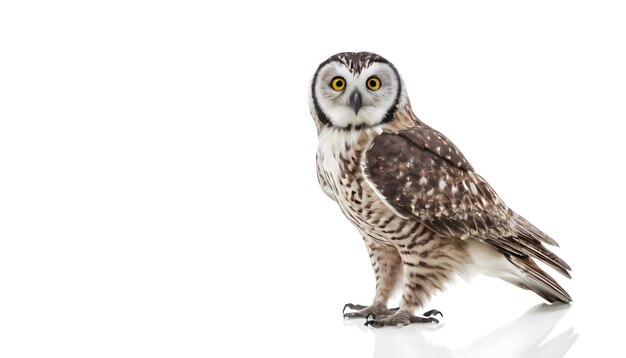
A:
[344,176]
[342,173]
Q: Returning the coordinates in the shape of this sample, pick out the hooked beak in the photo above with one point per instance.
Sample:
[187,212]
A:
[355,101]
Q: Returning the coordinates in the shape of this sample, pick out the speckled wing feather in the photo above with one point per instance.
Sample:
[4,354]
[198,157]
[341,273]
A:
[422,174]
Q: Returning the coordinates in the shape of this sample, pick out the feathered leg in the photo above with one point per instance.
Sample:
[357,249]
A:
[429,263]
[387,266]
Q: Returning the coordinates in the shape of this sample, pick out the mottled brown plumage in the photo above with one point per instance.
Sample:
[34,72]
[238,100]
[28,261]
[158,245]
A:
[424,176]
[423,212]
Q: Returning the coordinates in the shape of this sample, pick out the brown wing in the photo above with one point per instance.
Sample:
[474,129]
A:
[422,174]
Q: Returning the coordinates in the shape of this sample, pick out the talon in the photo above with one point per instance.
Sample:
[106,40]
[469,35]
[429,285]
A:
[372,324]
[369,321]
[433,313]
[352,306]
[418,319]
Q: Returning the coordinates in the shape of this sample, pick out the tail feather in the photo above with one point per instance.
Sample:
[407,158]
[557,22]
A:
[538,280]
[525,228]
[537,250]
[528,241]
[519,269]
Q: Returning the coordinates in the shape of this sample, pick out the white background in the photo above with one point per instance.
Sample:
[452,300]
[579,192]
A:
[158,194]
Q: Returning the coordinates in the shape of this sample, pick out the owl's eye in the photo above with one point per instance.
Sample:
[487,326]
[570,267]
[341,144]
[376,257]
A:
[338,83]
[373,83]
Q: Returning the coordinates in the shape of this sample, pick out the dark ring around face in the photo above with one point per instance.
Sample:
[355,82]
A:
[355,62]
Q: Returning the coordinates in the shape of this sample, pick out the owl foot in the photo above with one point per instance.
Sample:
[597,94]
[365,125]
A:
[377,309]
[432,313]
[400,318]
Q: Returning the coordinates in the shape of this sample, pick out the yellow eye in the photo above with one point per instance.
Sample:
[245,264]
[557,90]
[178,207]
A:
[338,83]
[373,83]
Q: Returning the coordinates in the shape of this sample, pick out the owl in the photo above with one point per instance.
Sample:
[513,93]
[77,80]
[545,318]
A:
[424,214]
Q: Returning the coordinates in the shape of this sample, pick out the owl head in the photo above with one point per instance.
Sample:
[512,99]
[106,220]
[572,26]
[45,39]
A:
[356,90]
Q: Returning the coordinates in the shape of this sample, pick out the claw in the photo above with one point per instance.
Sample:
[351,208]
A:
[417,319]
[373,324]
[432,313]
[351,315]
[368,321]
[352,306]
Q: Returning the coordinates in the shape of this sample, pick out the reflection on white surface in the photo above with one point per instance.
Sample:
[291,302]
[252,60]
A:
[524,337]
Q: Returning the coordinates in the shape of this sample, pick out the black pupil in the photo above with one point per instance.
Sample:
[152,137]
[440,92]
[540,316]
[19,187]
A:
[372,83]
[339,83]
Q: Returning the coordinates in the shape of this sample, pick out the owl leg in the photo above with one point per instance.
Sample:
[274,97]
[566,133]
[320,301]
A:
[387,266]
[428,265]
[414,294]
